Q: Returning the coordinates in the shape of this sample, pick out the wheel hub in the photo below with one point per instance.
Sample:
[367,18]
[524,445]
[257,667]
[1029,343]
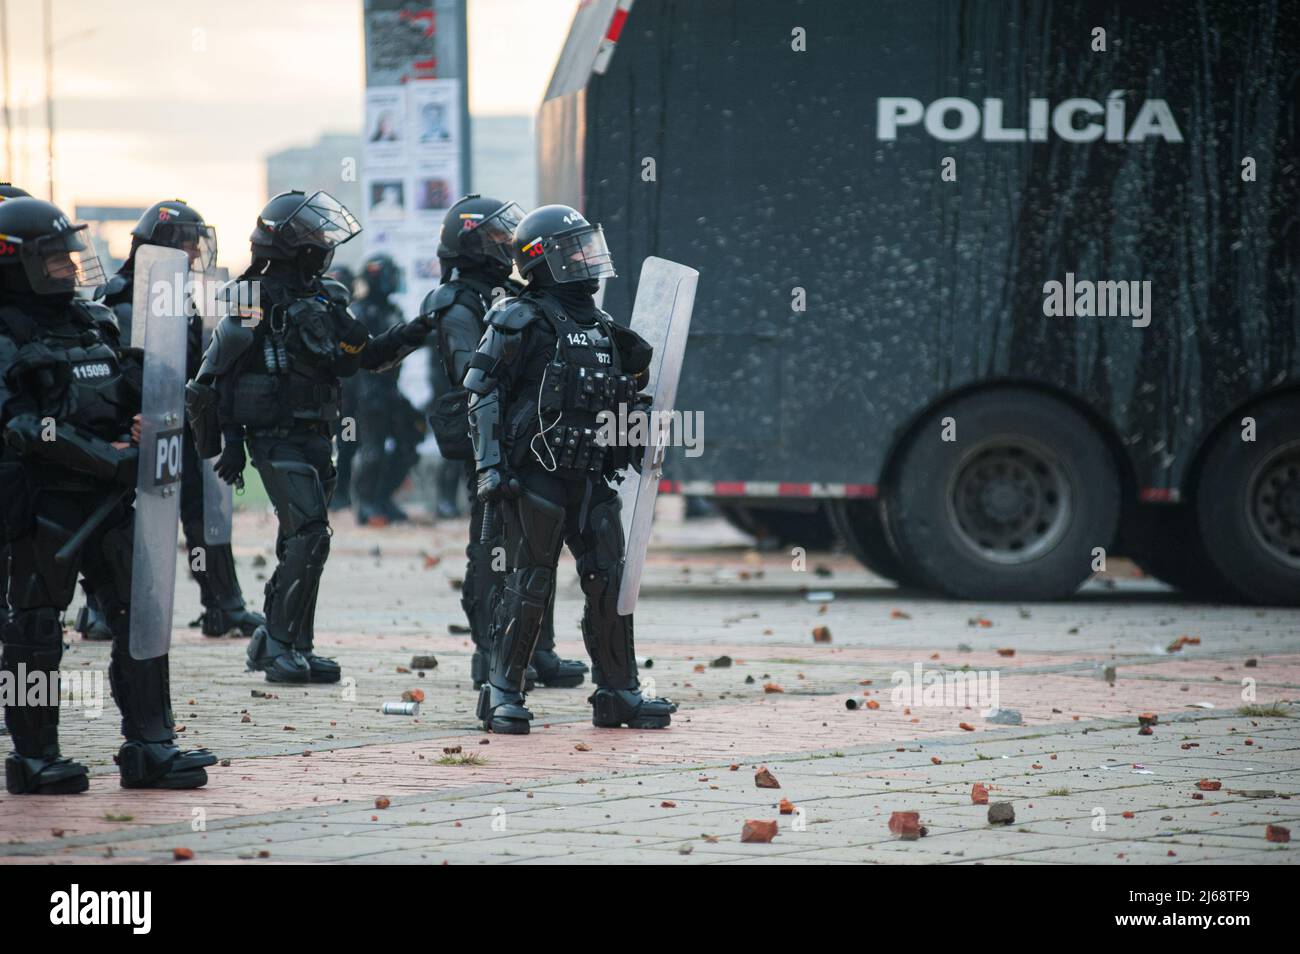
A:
[1275,504]
[1010,500]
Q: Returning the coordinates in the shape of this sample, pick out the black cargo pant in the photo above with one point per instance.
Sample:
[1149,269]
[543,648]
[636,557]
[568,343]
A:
[41,589]
[297,470]
[555,509]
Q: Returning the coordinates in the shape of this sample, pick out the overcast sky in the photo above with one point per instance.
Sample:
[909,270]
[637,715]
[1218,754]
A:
[184,98]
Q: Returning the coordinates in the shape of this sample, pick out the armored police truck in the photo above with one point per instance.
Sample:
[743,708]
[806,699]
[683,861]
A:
[1006,286]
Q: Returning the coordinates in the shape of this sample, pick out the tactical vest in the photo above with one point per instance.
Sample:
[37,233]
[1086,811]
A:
[449,410]
[582,380]
[286,377]
[102,399]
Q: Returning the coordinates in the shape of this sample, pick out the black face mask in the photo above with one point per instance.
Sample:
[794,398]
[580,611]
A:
[576,298]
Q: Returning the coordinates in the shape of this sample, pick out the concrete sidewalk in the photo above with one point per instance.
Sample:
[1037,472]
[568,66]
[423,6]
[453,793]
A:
[731,639]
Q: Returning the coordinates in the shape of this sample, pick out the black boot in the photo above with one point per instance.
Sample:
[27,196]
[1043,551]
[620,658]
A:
[515,628]
[90,621]
[149,757]
[553,671]
[613,708]
[33,643]
[279,660]
[321,668]
[224,611]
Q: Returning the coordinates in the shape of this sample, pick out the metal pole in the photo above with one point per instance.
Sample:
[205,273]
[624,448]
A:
[4,89]
[49,91]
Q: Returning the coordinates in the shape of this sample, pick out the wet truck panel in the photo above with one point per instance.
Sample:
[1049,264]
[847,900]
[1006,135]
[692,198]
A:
[876,217]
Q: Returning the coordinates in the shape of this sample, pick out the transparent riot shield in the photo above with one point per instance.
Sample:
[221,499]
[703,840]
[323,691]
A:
[665,298]
[218,496]
[158,321]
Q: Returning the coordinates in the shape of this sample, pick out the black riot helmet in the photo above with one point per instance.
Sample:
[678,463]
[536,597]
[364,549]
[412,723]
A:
[11,191]
[42,251]
[572,248]
[383,277]
[478,231]
[304,229]
[174,224]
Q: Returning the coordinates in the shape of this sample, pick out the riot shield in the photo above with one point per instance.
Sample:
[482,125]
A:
[158,318]
[218,496]
[665,297]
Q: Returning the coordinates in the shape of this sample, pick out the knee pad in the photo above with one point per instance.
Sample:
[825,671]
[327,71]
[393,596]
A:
[297,493]
[541,530]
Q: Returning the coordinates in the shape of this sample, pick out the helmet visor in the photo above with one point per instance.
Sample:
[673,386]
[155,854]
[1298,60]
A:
[580,256]
[199,242]
[321,220]
[61,263]
[491,236]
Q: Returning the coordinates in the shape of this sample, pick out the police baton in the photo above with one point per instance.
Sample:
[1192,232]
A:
[78,539]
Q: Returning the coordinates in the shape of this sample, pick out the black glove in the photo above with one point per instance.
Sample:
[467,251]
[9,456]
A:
[230,465]
[417,329]
[493,484]
[44,373]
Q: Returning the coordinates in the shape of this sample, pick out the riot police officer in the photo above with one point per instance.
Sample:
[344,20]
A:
[387,431]
[474,248]
[69,400]
[550,362]
[174,224]
[270,380]
[7,191]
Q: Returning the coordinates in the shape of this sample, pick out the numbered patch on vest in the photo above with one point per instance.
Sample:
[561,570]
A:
[167,457]
[92,371]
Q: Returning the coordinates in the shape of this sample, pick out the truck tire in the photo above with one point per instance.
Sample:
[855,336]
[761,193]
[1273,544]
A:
[1248,504]
[1012,507]
[1166,543]
[860,526]
[811,530]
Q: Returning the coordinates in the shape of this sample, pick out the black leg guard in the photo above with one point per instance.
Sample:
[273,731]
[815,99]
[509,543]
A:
[300,503]
[33,642]
[553,670]
[618,699]
[224,612]
[518,618]
[477,597]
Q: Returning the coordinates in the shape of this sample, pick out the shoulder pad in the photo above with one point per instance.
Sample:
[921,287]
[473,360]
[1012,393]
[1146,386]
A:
[243,300]
[230,339]
[100,315]
[336,292]
[439,299]
[512,314]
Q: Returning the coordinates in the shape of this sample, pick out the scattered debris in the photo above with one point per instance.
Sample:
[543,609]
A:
[907,825]
[899,614]
[187,854]
[722,662]
[1277,833]
[1209,785]
[413,695]
[821,634]
[758,832]
[764,778]
[1005,717]
[786,806]
[1001,813]
[382,802]
[424,662]
[979,794]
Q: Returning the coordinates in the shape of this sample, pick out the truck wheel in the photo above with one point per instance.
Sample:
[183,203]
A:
[859,525]
[1166,543]
[1248,504]
[1010,509]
